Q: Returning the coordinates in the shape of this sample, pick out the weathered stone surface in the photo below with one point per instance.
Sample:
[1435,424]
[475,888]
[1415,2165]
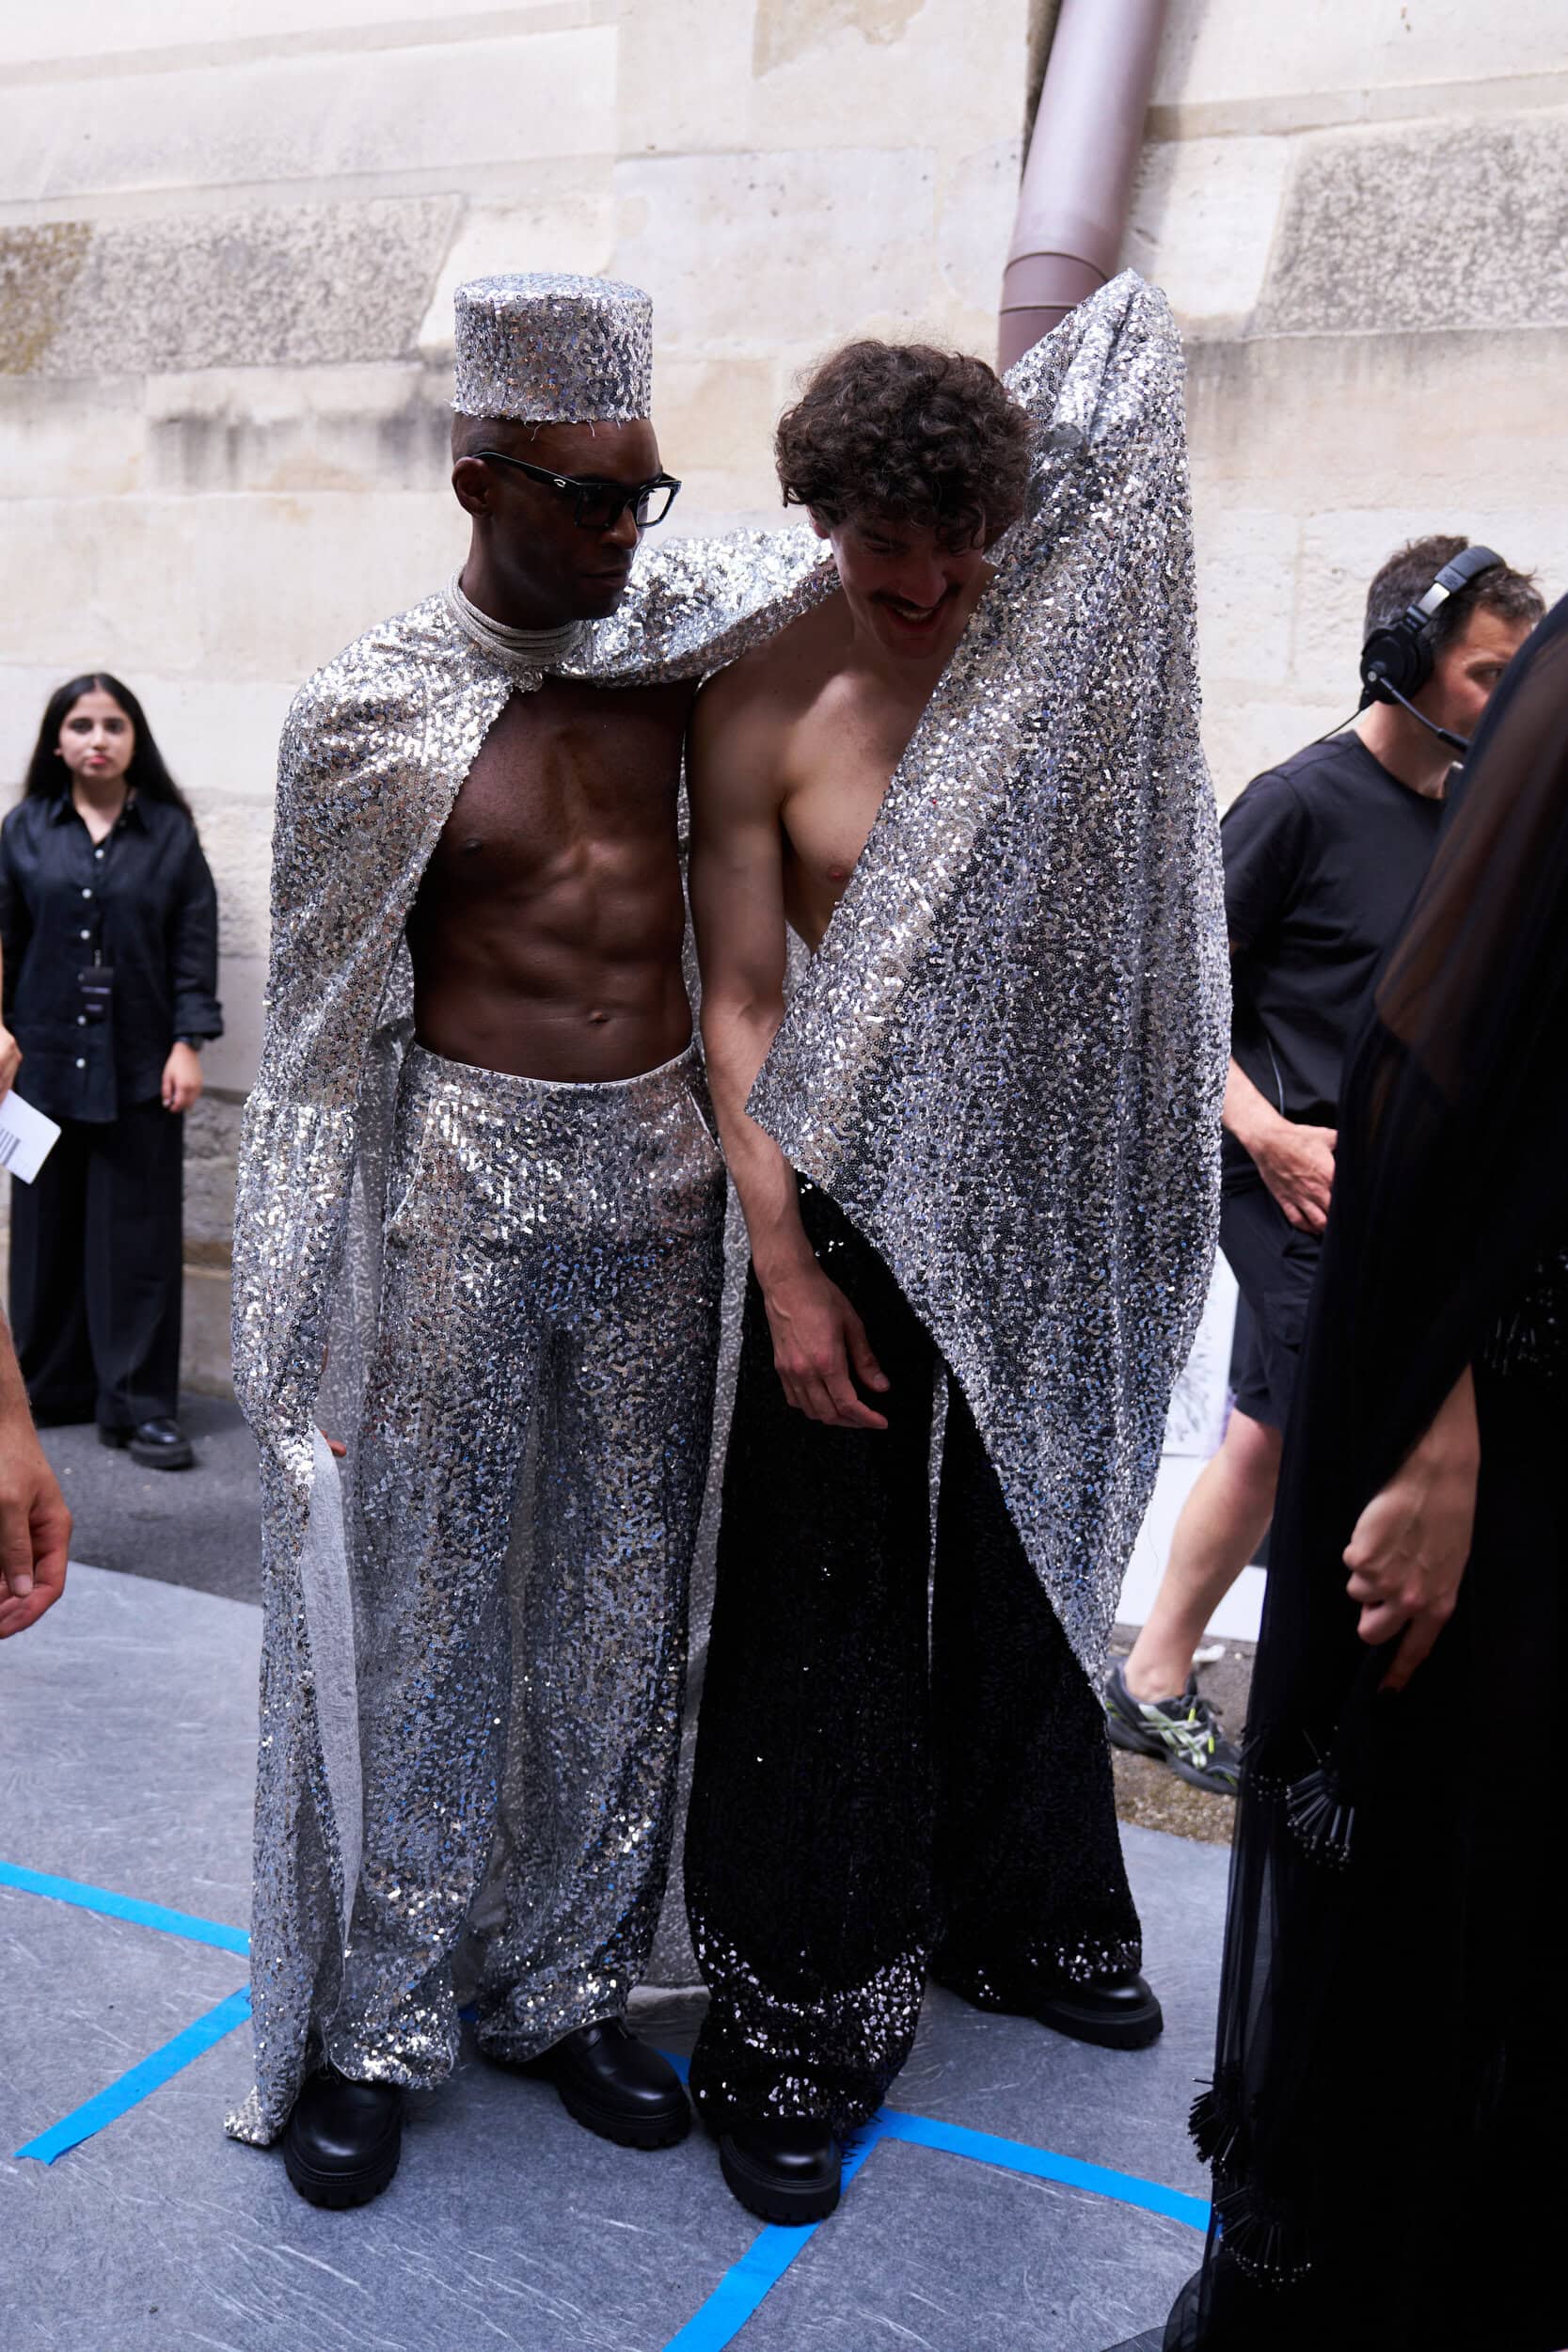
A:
[40,264]
[1406,231]
[351,428]
[569,224]
[280,286]
[205,1361]
[976,203]
[211,1141]
[449,107]
[236,835]
[1246,585]
[242,588]
[737,250]
[1202,222]
[784,30]
[1233,48]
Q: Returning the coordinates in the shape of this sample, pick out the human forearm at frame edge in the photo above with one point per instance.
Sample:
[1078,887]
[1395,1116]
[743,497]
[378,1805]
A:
[35,1524]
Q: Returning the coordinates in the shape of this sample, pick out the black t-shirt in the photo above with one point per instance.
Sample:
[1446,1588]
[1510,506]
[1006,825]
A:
[1323,855]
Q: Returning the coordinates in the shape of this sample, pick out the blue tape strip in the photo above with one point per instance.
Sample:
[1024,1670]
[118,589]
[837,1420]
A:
[1042,2164]
[114,1906]
[140,2081]
[760,2269]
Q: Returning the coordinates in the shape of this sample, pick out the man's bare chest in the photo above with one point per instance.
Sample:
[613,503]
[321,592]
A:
[565,775]
[838,776]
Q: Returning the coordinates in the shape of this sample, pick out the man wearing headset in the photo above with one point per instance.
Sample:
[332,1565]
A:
[1322,857]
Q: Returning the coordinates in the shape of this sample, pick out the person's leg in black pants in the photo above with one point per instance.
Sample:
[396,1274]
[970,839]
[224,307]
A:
[133,1264]
[1030,1880]
[48,1288]
[808,1841]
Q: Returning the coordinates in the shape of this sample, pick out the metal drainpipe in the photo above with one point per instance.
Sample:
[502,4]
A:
[1078,181]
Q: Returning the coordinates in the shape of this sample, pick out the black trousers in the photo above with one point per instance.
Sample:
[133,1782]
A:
[891,1773]
[96,1271]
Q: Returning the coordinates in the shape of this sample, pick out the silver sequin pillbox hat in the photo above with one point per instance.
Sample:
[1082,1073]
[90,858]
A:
[548,348]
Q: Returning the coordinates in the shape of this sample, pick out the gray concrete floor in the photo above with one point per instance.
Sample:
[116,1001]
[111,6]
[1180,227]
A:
[199,1527]
[126,1748]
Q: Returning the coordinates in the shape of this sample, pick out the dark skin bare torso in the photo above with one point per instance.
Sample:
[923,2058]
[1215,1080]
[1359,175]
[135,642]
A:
[546,932]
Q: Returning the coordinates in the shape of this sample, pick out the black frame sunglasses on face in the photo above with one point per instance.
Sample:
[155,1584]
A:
[596,505]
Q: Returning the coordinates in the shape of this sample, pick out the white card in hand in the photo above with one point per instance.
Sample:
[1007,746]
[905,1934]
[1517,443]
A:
[26,1138]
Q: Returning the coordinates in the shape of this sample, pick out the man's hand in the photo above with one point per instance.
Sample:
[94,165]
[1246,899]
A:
[1297,1166]
[181,1084]
[818,1340]
[10,1059]
[35,1528]
[1411,1543]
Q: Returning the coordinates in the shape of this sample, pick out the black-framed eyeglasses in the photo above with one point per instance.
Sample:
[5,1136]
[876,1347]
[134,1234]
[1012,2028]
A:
[598,505]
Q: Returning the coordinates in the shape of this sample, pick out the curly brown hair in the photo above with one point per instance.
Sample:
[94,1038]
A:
[909,433]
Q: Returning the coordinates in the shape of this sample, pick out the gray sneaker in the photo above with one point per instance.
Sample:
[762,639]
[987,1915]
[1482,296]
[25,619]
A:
[1185,1731]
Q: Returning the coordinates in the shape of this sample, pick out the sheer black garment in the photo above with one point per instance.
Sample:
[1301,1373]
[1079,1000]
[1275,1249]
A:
[893,1772]
[1392,2054]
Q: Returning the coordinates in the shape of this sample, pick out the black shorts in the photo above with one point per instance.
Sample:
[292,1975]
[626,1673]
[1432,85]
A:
[1275,1266]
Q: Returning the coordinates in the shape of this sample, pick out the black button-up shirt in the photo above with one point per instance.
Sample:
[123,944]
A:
[142,902]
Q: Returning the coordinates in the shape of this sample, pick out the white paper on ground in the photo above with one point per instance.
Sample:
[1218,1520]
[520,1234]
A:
[26,1138]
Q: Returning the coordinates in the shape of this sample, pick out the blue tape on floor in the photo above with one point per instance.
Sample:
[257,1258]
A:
[762,2266]
[1042,2164]
[741,2290]
[114,1906]
[141,2081]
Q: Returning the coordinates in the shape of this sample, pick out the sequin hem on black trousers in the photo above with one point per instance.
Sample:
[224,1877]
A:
[891,1773]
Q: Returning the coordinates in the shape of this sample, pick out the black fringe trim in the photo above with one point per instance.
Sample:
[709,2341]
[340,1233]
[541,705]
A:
[1264,2242]
[1322,1815]
[1218,2127]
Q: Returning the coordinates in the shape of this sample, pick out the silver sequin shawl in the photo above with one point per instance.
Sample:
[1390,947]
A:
[1007,1059]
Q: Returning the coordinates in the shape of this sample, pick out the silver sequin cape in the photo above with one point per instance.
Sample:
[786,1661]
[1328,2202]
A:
[1006,1062]
[1007,1059]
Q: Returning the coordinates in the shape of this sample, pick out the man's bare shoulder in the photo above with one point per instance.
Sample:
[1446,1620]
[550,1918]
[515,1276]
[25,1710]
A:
[749,713]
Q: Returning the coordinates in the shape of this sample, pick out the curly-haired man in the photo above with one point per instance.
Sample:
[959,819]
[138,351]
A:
[831,1830]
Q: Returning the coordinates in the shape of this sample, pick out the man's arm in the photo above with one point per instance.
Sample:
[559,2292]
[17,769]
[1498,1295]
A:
[35,1525]
[738,910]
[1295,1162]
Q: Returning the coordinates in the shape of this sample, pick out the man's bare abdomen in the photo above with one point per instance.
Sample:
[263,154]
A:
[547,934]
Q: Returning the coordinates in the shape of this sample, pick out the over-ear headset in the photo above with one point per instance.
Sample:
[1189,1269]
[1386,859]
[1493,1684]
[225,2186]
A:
[1396,660]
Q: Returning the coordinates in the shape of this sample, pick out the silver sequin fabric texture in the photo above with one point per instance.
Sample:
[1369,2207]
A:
[1007,1059]
[550,348]
[553,1261]
[374,752]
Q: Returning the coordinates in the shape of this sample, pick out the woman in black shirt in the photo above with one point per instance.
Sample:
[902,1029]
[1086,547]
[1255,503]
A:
[109,921]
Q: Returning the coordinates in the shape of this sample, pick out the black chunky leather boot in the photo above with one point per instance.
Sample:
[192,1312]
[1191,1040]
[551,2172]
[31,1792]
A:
[343,2139]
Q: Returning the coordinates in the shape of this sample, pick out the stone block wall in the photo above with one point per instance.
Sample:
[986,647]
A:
[229,240]
[1360,212]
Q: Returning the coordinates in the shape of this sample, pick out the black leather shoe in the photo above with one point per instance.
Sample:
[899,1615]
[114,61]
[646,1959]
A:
[614,2085]
[343,2139]
[156,1444]
[1117,2012]
[785,2170]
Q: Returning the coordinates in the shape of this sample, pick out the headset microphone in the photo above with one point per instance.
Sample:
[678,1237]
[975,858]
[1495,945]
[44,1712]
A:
[1460,742]
[1396,660]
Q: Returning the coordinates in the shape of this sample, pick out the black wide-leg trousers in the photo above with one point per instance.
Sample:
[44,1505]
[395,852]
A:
[894,1773]
[95,1274]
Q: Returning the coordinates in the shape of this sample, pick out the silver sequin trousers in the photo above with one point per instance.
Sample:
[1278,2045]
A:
[529,1472]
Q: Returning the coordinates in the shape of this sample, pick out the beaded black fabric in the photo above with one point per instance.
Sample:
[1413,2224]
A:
[866,1803]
